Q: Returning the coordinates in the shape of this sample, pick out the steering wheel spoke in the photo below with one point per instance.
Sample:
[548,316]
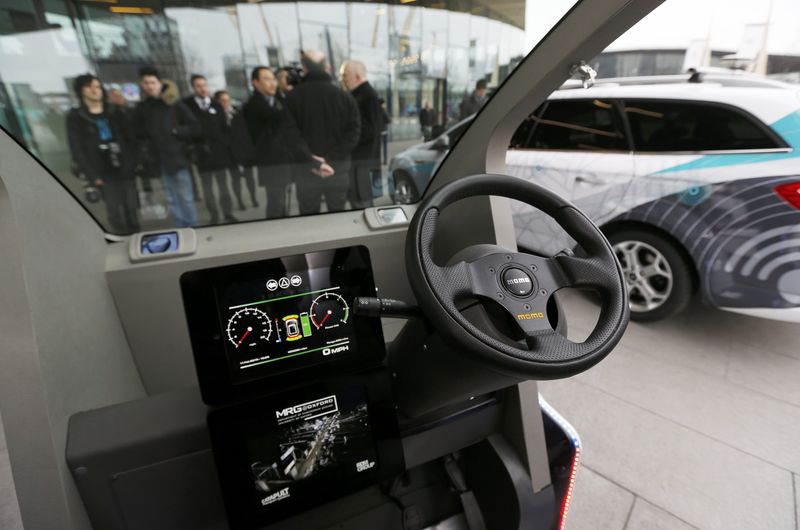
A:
[456,282]
[584,273]
[547,339]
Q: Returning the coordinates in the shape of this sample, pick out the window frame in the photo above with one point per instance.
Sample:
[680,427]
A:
[781,145]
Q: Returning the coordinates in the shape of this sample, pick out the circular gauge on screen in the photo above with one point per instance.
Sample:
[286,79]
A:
[329,310]
[249,327]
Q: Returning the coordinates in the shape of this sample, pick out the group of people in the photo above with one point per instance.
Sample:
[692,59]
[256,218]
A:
[323,137]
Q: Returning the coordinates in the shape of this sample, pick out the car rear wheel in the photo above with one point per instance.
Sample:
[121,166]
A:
[405,192]
[659,276]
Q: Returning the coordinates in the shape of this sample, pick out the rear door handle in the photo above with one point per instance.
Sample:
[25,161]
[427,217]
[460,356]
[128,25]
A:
[590,180]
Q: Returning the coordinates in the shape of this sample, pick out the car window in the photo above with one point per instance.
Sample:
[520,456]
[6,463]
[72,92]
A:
[156,114]
[523,133]
[578,125]
[659,126]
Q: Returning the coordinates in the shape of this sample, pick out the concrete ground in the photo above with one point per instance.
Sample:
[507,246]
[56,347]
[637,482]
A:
[693,422]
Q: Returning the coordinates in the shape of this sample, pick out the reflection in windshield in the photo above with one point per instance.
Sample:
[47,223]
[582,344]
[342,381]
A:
[162,114]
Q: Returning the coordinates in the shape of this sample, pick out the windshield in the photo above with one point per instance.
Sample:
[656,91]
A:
[176,114]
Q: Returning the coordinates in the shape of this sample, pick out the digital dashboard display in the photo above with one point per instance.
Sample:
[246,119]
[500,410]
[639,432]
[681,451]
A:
[299,318]
[286,320]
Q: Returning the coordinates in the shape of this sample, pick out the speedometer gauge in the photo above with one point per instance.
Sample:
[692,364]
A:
[329,310]
[249,327]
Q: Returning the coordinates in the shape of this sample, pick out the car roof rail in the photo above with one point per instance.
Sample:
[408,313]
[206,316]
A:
[716,76]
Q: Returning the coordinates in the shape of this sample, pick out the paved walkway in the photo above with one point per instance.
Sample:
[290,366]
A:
[689,423]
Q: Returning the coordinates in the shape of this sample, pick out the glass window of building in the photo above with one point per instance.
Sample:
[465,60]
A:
[159,113]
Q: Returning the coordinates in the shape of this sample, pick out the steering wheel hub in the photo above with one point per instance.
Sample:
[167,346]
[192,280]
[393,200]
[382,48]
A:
[517,282]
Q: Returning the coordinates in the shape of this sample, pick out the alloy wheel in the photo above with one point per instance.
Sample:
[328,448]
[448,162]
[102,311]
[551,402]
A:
[647,273]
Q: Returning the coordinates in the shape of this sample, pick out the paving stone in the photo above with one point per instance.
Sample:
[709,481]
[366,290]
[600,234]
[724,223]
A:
[770,335]
[766,372]
[686,338]
[598,503]
[744,419]
[700,480]
[646,516]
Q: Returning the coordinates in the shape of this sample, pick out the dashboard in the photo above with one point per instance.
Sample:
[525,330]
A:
[302,410]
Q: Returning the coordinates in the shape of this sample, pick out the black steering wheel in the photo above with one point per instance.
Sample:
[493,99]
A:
[521,283]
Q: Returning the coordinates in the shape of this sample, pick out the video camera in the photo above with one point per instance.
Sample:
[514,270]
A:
[294,74]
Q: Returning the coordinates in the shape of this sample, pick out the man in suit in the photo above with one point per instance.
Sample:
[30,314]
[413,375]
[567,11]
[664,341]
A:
[240,149]
[279,147]
[212,149]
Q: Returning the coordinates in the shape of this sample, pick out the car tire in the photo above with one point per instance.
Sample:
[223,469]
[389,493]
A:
[660,276]
[405,191]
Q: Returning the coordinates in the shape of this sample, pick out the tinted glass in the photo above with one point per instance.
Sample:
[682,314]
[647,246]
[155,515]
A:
[523,133]
[580,125]
[159,148]
[659,126]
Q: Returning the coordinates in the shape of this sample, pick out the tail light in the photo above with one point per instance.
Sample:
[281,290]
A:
[790,193]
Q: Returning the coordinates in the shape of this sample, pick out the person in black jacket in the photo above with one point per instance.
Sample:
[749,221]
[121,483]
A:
[165,131]
[211,151]
[330,124]
[240,148]
[473,102]
[427,119]
[366,156]
[102,146]
[277,142]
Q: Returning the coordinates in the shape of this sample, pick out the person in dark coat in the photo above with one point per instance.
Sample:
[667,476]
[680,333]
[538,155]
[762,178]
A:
[385,121]
[211,151]
[277,142]
[366,157]
[427,119]
[240,148]
[102,147]
[329,122]
[473,103]
[165,131]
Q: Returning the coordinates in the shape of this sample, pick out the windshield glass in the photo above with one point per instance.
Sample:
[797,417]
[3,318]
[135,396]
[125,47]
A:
[180,113]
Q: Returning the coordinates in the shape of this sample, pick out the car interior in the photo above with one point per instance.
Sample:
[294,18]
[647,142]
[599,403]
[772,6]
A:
[419,330]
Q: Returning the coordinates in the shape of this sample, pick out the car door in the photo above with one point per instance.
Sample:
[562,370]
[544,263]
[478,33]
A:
[577,148]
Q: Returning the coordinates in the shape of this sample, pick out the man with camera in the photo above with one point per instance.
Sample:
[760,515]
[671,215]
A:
[101,145]
[287,77]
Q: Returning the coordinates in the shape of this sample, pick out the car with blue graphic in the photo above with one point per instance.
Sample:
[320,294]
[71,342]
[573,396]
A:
[696,183]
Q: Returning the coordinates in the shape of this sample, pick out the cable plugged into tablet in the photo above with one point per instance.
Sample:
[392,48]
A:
[384,307]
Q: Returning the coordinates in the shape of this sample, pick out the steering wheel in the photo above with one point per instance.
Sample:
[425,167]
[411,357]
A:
[520,283]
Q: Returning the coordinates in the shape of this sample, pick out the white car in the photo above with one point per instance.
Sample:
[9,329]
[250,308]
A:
[697,185]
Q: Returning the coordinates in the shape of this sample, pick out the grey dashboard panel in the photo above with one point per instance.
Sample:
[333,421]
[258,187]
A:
[148,297]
